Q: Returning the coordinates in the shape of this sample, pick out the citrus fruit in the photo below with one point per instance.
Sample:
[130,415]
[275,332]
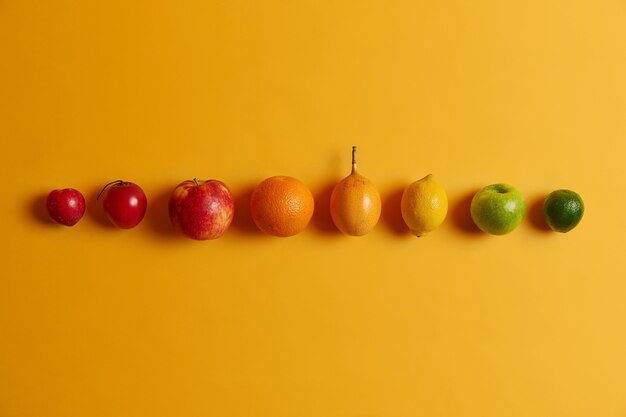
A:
[355,203]
[424,205]
[562,210]
[281,206]
[498,209]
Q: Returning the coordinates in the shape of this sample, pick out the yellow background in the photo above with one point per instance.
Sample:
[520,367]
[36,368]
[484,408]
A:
[96,321]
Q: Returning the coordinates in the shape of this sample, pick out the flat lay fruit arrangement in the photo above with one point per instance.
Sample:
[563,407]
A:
[283,206]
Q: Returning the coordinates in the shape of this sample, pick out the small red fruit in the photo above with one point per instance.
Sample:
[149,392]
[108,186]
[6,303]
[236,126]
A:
[66,206]
[201,209]
[124,203]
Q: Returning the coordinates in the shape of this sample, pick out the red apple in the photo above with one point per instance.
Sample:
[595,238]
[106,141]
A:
[66,206]
[124,203]
[201,209]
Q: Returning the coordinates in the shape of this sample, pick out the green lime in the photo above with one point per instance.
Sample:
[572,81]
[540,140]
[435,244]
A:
[563,210]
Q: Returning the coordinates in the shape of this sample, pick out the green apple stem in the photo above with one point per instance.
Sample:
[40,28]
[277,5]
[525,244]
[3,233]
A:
[116,182]
[353,158]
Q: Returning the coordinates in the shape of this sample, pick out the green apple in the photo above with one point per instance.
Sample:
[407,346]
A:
[498,209]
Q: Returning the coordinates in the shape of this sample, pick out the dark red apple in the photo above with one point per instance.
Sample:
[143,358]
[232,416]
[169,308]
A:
[202,210]
[124,203]
[66,206]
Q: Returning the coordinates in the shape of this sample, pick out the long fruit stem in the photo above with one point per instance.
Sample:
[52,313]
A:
[117,182]
[353,158]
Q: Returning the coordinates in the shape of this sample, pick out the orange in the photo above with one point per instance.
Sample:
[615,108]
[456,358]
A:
[281,206]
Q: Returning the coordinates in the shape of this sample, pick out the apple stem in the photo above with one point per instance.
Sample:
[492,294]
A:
[117,182]
[195,180]
[353,158]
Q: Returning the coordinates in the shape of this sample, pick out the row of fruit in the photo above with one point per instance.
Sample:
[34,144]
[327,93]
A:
[283,206]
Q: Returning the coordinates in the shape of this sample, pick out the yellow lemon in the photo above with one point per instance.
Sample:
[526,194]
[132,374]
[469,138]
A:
[424,205]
